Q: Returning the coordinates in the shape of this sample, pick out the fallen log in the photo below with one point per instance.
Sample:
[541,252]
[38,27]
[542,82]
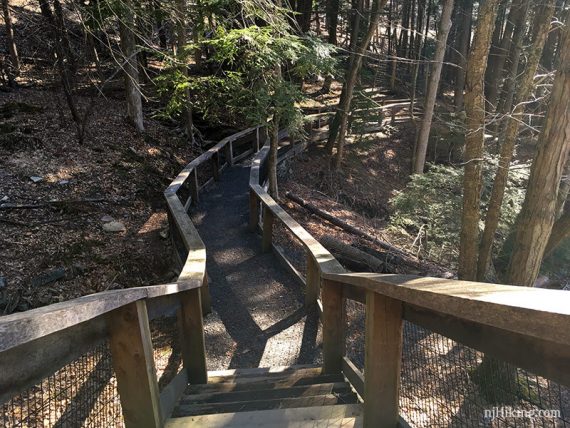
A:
[56,203]
[344,225]
[352,257]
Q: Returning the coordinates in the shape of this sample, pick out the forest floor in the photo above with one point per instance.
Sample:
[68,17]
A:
[55,251]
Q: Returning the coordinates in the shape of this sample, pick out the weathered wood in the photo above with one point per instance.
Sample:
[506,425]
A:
[216,166]
[313,281]
[192,337]
[163,306]
[228,150]
[277,418]
[171,394]
[334,320]
[243,155]
[280,253]
[205,297]
[354,376]
[540,313]
[131,350]
[344,225]
[27,365]
[253,211]
[383,355]
[267,230]
[352,257]
[541,357]
[194,187]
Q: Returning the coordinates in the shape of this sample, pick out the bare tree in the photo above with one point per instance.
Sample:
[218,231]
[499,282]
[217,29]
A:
[538,214]
[541,27]
[14,63]
[423,136]
[474,140]
[130,67]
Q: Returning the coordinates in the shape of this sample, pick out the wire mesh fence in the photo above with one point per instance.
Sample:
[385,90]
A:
[80,394]
[166,349]
[447,384]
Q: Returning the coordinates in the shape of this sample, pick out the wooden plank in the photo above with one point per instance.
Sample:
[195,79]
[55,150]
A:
[205,297]
[541,357]
[243,155]
[253,211]
[163,306]
[235,374]
[334,321]
[278,251]
[272,418]
[354,376]
[383,356]
[131,349]
[265,394]
[216,166]
[261,383]
[27,365]
[194,187]
[267,230]
[540,313]
[313,290]
[23,327]
[192,337]
[171,394]
[279,403]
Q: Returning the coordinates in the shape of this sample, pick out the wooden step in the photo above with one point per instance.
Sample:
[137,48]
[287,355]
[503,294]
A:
[347,415]
[266,372]
[276,403]
[263,383]
[267,394]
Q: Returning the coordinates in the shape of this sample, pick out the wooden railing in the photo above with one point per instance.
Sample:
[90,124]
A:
[526,327]
[36,343]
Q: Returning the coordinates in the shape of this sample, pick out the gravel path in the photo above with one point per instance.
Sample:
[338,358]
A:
[258,317]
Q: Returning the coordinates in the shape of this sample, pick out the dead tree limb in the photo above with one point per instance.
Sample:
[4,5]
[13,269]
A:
[344,225]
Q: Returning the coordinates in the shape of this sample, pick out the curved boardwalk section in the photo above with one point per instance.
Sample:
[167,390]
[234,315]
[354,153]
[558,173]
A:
[258,314]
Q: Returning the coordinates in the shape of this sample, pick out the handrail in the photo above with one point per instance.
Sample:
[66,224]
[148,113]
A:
[38,342]
[527,327]
[320,260]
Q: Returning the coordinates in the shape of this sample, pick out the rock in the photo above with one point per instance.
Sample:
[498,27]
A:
[48,277]
[164,233]
[4,199]
[36,179]
[3,282]
[114,226]
[63,182]
[107,219]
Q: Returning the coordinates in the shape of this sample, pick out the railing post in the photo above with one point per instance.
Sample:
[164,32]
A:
[192,336]
[257,139]
[229,153]
[216,166]
[383,356]
[267,230]
[194,189]
[205,296]
[313,281]
[334,318]
[133,362]
[253,210]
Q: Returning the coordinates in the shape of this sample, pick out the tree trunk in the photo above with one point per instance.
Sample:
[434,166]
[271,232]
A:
[332,10]
[304,10]
[423,136]
[474,140]
[538,214]
[541,27]
[181,36]
[341,116]
[516,18]
[14,63]
[493,52]
[272,161]
[130,67]
[464,41]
